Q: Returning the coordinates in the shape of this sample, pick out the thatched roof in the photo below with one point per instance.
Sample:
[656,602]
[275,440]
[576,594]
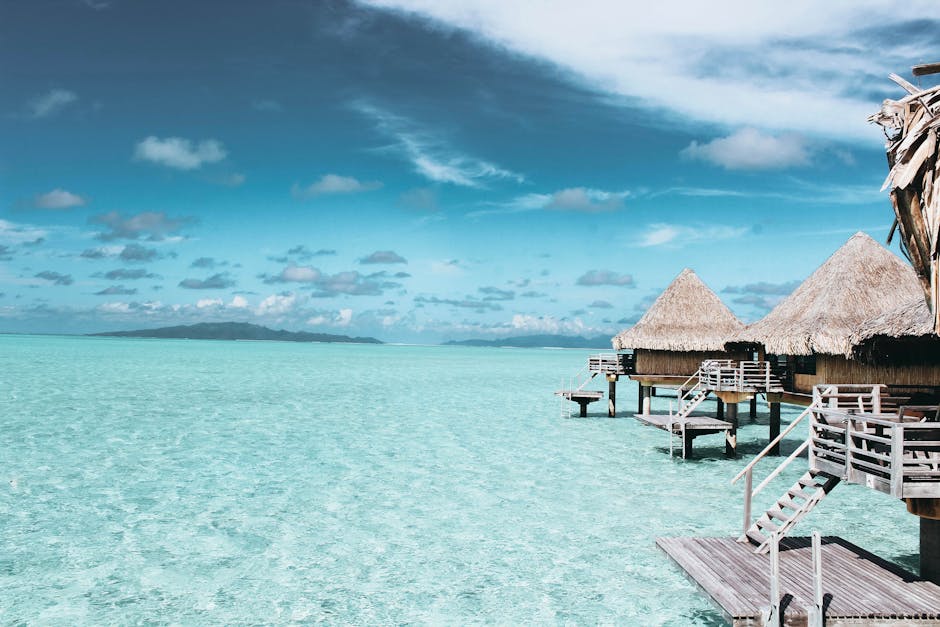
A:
[904,332]
[858,282]
[687,316]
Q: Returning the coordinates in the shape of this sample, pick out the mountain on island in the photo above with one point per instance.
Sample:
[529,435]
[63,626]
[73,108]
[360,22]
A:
[540,341]
[237,331]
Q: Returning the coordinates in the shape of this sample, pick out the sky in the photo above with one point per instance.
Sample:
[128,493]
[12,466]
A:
[423,171]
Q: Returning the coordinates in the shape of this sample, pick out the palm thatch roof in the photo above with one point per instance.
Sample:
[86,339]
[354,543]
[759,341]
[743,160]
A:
[903,334]
[686,317]
[858,282]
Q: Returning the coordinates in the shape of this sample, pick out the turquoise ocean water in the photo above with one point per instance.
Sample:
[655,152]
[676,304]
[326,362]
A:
[192,482]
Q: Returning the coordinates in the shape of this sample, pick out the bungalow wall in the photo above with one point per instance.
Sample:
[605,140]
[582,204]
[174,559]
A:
[836,369]
[678,363]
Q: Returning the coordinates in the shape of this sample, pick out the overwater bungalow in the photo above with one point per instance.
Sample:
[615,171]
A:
[686,325]
[812,330]
[857,323]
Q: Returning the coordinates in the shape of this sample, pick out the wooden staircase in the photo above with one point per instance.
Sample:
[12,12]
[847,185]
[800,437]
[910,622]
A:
[689,402]
[790,508]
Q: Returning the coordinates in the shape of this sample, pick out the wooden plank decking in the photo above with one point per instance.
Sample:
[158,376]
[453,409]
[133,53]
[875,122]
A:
[692,423]
[861,588]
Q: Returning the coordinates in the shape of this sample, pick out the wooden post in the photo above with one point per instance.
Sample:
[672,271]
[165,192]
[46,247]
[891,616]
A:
[611,395]
[720,410]
[583,404]
[748,495]
[774,427]
[687,444]
[646,401]
[930,549]
[818,615]
[639,397]
[652,391]
[753,413]
[731,439]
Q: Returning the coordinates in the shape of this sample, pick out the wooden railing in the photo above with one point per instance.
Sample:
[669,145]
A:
[896,453]
[727,374]
[613,363]
[748,471]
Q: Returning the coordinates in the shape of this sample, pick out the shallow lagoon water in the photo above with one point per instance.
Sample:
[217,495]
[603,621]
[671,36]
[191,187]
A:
[196,482]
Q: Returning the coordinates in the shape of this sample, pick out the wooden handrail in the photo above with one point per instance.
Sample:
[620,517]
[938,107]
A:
[774,443]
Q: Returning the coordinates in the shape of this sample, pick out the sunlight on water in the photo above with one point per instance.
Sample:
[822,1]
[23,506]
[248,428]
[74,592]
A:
[236,483]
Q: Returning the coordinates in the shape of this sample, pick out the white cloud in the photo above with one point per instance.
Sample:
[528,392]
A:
[276,305]
[51,103]
[12,233]
[238,302]
[677,235]
[750,149]
[179,153]
[341,318]
[334,184]
[800,66]
[300,274]
[58,199]
[578,199]
[447,267]
[203,303]
[431,156]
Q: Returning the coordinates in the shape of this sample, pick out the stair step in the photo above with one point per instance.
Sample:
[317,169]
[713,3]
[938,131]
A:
[797,493]
[766,526]
[786,501]
[756,537]
[779,514]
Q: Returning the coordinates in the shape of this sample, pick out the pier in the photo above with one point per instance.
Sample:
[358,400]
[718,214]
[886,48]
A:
[732,382]
[851,438]
[857,587]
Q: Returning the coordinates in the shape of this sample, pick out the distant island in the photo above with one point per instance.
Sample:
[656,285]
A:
[237,331]
[540,341]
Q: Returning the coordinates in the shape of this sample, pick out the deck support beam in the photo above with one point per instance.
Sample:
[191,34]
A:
[687,444]
[774,426]
[720,409]
[612,395]
[753,408]
[639,397]
[731,437]
[646,400]
[930,549]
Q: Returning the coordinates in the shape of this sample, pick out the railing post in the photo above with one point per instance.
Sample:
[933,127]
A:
[876,400]
[817,617]
[748,495]
[847,471]
[897,461]
[772,615]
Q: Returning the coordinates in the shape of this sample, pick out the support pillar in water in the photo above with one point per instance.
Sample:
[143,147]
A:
[612,395]
[731,439]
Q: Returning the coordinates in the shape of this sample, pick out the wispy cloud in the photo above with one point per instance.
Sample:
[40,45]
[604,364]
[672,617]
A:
[678,235]
[751,149]
[796,66]
[58,199]
[179,153]
[150,225]
[334,184]
[575,199]
[51,103]
[219,281]
[605,277]
[56,278]
[431,156]
[383,256]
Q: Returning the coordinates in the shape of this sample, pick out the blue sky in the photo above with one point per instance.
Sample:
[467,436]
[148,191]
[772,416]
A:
[422,171]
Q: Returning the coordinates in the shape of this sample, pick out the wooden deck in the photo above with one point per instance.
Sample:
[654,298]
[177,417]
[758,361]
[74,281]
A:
[860,588]
[699,424]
